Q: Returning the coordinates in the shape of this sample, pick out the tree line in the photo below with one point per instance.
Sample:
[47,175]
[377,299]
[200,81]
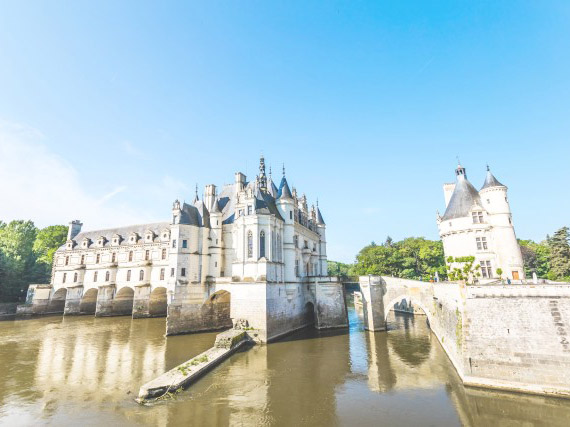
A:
[26,255]
[419,258]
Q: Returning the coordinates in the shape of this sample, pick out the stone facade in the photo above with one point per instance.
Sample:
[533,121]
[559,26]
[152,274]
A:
[512,337]
[480,224]
[251,251]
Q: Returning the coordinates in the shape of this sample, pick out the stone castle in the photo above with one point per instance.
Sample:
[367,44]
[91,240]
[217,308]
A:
[480,224]
[252,251]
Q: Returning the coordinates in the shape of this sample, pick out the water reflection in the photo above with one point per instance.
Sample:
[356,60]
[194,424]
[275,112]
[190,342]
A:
[82,370]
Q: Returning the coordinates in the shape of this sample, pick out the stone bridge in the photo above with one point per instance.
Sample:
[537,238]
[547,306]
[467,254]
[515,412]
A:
[512,337]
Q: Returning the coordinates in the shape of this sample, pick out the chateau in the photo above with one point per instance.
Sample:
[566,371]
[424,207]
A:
[252,252]
[480,224]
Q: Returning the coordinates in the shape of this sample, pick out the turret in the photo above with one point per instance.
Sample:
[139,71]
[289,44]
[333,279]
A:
[240,179]
[176,211]
[74,229]
[321,230]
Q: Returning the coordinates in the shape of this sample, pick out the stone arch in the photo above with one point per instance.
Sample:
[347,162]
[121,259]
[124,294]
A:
[88,302]
[309,317]
[416,301]
[158,302]
[123,302]
[57,301]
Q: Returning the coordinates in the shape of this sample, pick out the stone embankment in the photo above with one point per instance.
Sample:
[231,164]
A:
[227,343]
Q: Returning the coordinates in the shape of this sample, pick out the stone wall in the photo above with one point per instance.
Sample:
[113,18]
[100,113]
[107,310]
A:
[331,305]
[517,337]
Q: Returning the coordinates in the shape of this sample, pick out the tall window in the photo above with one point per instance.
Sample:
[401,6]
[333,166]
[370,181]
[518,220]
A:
[113,257]
[146,255]
[141,275]
[66,260]
[477,217]
[297,268]
[262,244]
[172,272]
[82,259]
[164,254]
[481,243]
[183,272]
[97,259]
[128,275]
[95,276]
[107,276]
[249,244]
[75,277]
[64,277]
[279,247]
[130,256]
[184,244]
[296,240]
[173,243]
[162,274]
[249,209]
[486,270]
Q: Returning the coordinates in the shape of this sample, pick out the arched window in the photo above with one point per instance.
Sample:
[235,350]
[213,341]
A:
[130,256]
[107,276]
[250,244]
[262,244]
[141,275]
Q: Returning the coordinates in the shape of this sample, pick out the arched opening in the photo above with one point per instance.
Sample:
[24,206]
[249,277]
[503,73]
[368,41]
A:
[88,302]
[309,314]
[57,301]
[123,302]
[408,323]
[218,308]
[158,303]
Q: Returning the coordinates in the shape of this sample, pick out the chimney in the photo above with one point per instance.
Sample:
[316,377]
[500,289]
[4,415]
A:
[74,229]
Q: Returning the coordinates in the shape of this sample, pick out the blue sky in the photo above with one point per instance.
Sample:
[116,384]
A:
[109,110]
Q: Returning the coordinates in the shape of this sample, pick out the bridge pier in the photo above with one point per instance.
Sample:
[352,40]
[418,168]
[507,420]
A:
[73,300]
[141,302]
[373,289]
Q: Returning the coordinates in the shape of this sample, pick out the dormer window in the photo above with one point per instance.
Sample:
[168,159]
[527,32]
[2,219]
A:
[134,238]
[149,236]
[86,242]
[70,245]
[477,217]
[116,240]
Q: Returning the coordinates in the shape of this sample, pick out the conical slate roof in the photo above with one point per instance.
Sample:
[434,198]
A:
[490,180]
[320,219]
[464,197]
[284,191]
[215,208]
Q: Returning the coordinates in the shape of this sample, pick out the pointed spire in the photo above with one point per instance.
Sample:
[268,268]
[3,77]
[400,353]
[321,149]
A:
[262,176]
[490,180]
[196,198]
[320,220]
[284,191]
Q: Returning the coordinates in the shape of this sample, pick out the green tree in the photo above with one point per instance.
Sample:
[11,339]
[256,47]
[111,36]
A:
[18,259]
[536,257]
[559,245]
[339,269]
[48,240]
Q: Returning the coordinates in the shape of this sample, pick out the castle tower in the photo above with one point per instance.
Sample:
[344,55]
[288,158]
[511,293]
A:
[479,224]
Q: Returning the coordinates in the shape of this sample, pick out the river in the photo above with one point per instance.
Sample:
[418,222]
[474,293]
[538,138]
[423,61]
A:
[87,371]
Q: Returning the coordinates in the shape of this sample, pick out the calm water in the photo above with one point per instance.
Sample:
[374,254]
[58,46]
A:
[87,371]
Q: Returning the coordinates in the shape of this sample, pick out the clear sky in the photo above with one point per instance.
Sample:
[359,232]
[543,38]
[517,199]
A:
[110,110]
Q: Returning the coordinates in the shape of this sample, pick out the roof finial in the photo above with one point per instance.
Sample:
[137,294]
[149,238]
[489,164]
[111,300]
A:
[283,169]
[317,202]
[262,177]
[458,162]
[488,168]
[196,194]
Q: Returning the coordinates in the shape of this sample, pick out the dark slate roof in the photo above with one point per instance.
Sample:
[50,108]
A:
[190,215]
[226,203]
[284,190]
[320,219]
[124,232]
[491,181]
[265,204]
[215,208]
[273,190]
[462,200]
[204,214]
